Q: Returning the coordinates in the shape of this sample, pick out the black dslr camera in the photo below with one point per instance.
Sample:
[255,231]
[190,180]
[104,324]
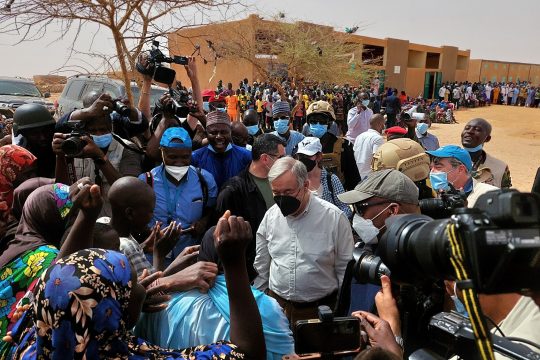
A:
[74,144]
[159,72]
[444,205]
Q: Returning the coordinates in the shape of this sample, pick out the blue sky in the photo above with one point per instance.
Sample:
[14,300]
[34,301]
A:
[495,29]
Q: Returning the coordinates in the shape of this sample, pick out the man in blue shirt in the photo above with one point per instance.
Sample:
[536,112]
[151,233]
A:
[220,157]
[281,113]
[184,194]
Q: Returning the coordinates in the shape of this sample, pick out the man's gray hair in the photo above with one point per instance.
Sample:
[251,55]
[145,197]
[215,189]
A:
[285,164]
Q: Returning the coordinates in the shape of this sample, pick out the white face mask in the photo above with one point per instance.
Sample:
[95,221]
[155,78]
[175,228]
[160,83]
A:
[177,172]
[365,228]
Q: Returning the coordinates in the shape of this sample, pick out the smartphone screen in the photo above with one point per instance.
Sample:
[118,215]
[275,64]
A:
[314,336]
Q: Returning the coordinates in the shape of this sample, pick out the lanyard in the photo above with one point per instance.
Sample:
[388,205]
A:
[171,207]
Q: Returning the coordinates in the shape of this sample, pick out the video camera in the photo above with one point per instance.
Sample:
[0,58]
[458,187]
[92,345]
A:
[501,238]
[501,241]
[159,72]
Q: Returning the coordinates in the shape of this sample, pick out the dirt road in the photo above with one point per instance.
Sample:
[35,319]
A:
[515,138]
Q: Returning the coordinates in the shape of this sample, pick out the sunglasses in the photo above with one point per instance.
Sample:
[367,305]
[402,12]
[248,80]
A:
[283,117]
[361,208]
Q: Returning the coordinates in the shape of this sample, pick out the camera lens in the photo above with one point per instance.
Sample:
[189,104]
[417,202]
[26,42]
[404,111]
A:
[73,145]
[369,268]
[435,208]
[122,108]
[415,247]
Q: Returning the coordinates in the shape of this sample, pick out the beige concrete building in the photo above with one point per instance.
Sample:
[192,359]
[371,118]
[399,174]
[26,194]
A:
[417,69]
[500,71]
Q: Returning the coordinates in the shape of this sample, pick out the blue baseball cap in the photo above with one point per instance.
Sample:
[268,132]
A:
[175,133]
[453,151]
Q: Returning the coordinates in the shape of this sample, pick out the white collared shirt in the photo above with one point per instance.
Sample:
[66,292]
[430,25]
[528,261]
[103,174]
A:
[303,258]
[357,122]
[364,147]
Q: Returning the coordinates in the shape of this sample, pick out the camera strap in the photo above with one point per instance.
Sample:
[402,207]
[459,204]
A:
[458,260]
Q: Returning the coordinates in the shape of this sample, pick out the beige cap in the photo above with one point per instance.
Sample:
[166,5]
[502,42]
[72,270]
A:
[388,184]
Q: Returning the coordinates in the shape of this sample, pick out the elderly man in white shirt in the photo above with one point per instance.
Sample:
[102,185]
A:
[303,244]
[367,143]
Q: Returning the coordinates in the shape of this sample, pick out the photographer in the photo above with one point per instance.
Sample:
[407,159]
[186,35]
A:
[97,104]
[452,165]
[195,121]
[100,155]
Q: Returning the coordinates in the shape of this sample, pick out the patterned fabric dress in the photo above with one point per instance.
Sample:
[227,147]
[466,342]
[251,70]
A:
[80,311]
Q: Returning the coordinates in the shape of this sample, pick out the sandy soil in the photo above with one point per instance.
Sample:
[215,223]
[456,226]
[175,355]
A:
[515,138]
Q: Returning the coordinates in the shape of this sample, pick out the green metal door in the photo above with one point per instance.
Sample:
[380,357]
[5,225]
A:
[381,74]
[427,83]
[438,82]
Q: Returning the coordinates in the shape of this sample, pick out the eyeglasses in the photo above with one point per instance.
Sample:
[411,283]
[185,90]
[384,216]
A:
[360,208]
[282,117]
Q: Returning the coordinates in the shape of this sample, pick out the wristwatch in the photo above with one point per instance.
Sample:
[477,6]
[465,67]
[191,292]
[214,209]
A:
[399,340]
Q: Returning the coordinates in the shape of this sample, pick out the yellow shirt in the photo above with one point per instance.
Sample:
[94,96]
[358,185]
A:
[260,106]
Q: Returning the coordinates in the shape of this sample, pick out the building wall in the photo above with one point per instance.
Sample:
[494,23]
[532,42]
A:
[500,71]
[411,58]
[396,55]
[415,82]
[448,63]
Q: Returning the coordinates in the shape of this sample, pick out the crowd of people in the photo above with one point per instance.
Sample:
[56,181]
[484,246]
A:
[224,227]
[484,94]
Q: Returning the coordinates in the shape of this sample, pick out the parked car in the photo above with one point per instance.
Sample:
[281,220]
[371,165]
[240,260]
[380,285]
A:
[78,86]
[15,92]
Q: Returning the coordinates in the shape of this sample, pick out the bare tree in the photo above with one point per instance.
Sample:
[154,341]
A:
[131,23]
[302,51]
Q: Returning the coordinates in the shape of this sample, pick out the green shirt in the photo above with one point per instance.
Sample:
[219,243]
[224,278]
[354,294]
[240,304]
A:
[264,187]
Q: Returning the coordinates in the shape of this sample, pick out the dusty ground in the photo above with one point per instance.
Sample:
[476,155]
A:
[515,138]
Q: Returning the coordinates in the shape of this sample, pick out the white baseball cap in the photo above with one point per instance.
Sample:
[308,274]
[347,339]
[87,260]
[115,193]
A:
[309,146]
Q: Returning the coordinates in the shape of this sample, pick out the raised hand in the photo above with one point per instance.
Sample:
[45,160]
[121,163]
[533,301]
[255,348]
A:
[231,236]
[89,200]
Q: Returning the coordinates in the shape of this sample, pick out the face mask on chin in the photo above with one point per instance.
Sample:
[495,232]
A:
[474,149]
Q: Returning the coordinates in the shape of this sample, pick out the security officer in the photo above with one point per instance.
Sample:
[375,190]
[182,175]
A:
[33,129]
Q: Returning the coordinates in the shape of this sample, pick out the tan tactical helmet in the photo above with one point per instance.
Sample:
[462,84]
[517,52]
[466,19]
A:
[405,155]
[321,107]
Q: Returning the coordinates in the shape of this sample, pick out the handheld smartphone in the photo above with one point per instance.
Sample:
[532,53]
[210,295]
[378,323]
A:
[316,336]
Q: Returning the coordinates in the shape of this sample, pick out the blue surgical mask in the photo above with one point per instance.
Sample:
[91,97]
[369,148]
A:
[458,304]
[252,129]
[206,106]
[318,130]
[211,148]
[439,180]
[474,149]
[102,141]
[422,128]
[365,102]
[281,126]
[221,109]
